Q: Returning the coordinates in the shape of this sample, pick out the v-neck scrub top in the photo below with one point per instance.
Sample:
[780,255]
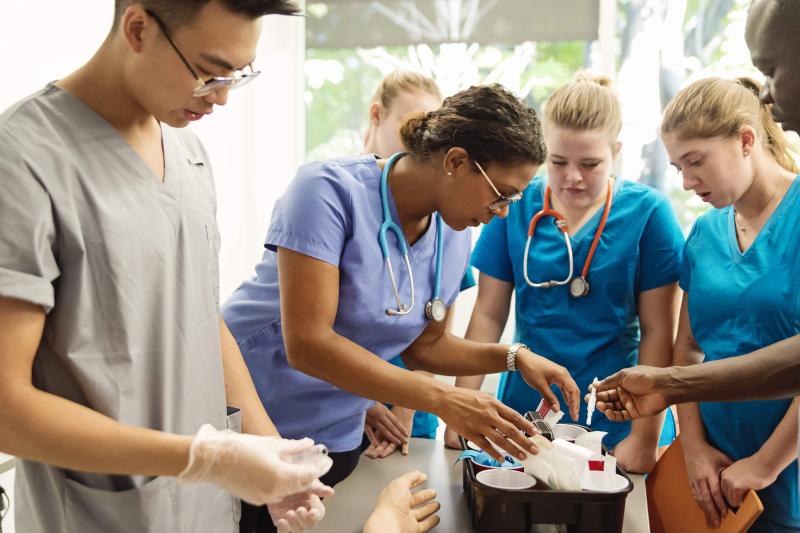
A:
[740,302]
[332,212]
[596,335]
[125,268]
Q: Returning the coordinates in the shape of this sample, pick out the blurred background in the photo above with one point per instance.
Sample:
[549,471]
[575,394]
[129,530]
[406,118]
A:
[320,72]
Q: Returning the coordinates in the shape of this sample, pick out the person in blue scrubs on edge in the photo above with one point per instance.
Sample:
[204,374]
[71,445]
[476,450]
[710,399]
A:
[630,311]
[741,282]
[388,427]
[331,302]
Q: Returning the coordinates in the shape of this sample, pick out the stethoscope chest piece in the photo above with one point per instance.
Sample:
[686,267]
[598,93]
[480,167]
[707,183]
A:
[436,309]
[578,287]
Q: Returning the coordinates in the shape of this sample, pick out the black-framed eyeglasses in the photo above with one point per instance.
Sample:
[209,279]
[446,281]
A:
[205,87]
[502,201]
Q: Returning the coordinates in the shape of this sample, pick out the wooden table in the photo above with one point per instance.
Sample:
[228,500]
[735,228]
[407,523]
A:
[355,497]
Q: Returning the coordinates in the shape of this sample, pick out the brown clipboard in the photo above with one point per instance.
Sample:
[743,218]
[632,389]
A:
[672,508]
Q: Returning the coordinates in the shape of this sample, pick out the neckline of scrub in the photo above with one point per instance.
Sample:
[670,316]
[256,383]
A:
[733,242]
[430,230]
[596,216]
[143,170]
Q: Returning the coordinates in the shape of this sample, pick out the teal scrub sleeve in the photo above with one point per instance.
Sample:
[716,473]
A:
[312,217]
[28,265]
[491,254]
[469,280]
[660,248]
[686,266]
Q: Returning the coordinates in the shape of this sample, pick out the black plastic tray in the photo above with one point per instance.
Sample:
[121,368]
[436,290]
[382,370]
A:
[515,511]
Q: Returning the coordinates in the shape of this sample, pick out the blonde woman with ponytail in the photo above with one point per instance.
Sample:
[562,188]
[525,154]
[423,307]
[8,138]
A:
[630,312]
[741,292]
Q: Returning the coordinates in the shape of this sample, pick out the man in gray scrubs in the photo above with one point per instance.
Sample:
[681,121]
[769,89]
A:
[112,354]
[773,37]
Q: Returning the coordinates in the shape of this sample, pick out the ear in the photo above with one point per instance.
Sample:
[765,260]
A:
[135,26]
[747,138]
[456,160]
[375,113]
[615,149]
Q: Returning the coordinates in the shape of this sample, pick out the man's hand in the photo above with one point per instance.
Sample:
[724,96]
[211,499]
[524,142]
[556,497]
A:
[633,393]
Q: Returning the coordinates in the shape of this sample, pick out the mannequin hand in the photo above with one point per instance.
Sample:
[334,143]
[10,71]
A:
[401,511]
[256,469]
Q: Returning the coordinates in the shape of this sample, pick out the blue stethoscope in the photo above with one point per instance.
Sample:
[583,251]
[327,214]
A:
[435,309]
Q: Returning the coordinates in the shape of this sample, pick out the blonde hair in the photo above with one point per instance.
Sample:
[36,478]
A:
[586,103]
[715,107]
[402,81]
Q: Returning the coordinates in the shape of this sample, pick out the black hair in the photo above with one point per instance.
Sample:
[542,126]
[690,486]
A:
[176,13]
[488,121]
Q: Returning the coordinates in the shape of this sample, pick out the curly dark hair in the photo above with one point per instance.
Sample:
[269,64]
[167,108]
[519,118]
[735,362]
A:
[488,121]
[176,13]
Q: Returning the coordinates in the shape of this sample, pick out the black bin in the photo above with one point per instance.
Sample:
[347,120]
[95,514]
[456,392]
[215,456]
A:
[515,511]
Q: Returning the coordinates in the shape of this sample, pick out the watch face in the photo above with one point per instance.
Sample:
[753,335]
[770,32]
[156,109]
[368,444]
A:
[436,310]
[578,287]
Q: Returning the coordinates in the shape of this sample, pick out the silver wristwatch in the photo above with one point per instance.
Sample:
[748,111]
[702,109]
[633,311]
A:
[511,356]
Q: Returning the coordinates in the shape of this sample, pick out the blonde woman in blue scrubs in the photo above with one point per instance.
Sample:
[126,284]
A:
[741,282]
[626,245]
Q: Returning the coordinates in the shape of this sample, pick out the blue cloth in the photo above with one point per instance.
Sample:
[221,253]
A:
[425,424]
[738,303]
[640,249]
[332,212]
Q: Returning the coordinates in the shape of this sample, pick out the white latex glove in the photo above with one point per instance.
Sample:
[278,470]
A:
[301,511]
[256,469]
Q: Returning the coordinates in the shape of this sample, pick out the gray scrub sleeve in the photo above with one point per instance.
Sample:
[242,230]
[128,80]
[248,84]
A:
[28,265]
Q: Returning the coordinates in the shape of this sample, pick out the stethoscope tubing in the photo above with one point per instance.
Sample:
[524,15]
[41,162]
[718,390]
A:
[390,225]
[561,224]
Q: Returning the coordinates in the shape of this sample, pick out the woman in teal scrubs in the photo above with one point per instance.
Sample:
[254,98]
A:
[630,310]
[741,278]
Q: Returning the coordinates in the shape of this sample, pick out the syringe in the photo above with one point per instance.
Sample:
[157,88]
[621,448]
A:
[592,402]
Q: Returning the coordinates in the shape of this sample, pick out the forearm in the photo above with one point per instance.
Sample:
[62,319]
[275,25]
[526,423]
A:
[49,429]
[330,357]
[771,372]
[453,356]
[780,450]
[655,349]
[693,431]
[240,391]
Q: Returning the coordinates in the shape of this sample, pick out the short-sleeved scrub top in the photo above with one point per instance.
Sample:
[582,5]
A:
[740,302]
[332,212]
[598,334]
[125,267]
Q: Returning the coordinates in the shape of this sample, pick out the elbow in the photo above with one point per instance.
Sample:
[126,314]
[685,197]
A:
[305,351]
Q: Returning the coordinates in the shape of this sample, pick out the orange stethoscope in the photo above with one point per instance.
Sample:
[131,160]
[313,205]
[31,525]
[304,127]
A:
[579,286]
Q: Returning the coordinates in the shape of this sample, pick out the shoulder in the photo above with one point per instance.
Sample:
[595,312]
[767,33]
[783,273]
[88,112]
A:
[31,117]
[641,195]
[343,173]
